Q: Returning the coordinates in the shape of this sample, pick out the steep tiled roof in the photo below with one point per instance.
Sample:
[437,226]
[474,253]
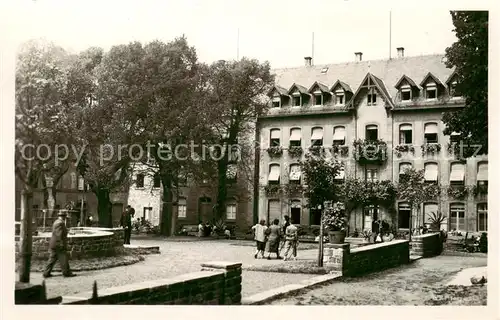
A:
[433,77]
[321,87]
[280,90]
[299,87]
[409,80]
[352,73]
[344,86]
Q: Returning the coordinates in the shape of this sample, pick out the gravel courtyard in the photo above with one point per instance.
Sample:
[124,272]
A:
[175,258]
[423,282]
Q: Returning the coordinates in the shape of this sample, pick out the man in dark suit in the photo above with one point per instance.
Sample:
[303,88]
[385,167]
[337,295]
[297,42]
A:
[126,223]
[58,246]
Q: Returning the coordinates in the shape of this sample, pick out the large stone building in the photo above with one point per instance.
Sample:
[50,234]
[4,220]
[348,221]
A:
[399,102]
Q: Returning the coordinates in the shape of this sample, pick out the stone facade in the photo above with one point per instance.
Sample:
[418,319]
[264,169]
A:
[85,243]
[356,114]
[219,283]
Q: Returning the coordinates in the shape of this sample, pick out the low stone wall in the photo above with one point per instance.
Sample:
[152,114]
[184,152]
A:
[28,293]
[366,259]
[427,245]
[219,283]
[85,243]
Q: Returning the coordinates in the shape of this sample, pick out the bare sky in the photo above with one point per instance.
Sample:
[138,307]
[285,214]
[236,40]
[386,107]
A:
[277,31]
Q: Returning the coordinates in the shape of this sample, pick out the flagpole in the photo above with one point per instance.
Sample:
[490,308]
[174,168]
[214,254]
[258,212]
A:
[390,33]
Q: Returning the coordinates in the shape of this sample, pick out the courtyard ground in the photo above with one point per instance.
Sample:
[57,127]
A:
[176,257]
[423,282]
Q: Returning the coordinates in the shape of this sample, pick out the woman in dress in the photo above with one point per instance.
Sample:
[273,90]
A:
[273,240]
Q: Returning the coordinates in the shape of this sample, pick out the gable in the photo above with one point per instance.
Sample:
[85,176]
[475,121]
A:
[318,86]
[341,85]
[405,81]
[296,89]
[431,78]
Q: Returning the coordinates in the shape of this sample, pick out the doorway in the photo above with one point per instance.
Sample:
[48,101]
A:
[370,214]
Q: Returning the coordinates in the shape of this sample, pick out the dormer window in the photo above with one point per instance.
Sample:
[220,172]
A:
[297,101]
[453,91]
[276,102]
[339,98]
[431,91]
[320,94]
[300,96]
[405,94]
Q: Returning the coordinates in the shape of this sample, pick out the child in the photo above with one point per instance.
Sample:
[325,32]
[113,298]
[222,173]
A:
[260,237]
[291,239]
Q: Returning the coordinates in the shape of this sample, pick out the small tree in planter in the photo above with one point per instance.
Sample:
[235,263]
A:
[436,219]
[413,188]
[334,221]
[319,180]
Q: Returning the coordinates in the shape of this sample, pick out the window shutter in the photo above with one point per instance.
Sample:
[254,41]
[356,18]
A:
[317,134]
[274,173]
[457,172]
[295,134]
[295,172]
[431,172]
[338,133]
[431,128]
[275,133]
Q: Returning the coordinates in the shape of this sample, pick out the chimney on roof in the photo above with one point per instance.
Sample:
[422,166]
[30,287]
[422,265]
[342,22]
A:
[401,52]
[308,61]
[359,56]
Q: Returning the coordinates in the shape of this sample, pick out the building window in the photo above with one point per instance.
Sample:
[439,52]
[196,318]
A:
[274,174]
[455,137]
[405,134]
[73,180]
[156,181]
[276,102]
[182,208]
[371,174]
[431,91]
[81,183]
[404,213]
[402,169]
[371,132]
[482,217]
[231,211]
[405,94]
[295,137]
[431,172]
[317,136]
[453,90]
[297,101]
[431,209]
[457,174]
[318,99]
[457,216]
[431,133]
[339,135]
[139,180]
[295,211]
[482,173]
[273,210]
[295,173]
[231,172]
[339,98]
[275,137]
[372,97]
[147,213]
[370,214]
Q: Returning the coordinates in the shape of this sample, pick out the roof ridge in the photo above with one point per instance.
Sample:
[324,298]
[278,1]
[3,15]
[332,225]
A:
[358,62]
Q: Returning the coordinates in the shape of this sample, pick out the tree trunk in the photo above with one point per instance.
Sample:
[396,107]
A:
[104,208]
[26,236]
[221,189]
[166,212]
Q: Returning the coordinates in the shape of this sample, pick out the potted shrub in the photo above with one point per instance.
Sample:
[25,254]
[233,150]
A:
[334,222]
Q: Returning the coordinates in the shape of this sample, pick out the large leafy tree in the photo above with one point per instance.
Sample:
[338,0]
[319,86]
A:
[233,99]
[156,89]
[469,56]
[45,117]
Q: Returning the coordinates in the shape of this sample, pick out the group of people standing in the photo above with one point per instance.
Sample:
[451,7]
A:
[274,239]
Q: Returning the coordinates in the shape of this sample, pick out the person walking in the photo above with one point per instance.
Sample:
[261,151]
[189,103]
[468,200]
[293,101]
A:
[58,246]
[126,224]
[260,237]
[291,239]
[285,225]
[273,241]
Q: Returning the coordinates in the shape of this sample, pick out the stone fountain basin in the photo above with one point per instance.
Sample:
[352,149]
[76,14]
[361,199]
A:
[83,242]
